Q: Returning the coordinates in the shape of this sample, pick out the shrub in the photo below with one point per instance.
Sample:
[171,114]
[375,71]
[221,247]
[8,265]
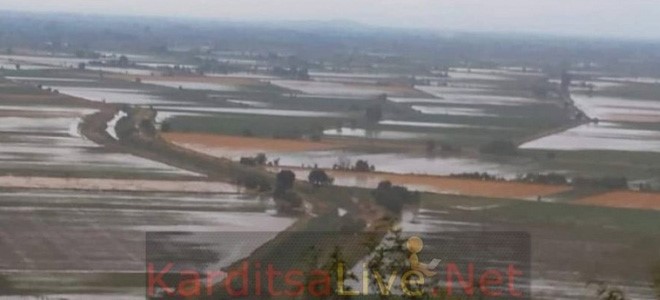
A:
[550,178]
[363,166]
[318,177]
[283,182]
[394,197]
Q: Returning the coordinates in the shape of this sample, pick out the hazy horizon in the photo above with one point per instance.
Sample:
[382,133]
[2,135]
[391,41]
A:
[635,19]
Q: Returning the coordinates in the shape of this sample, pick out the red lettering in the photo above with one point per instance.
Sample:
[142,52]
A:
[468,286]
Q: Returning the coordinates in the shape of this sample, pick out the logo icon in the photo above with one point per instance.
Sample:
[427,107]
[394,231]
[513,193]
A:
[415,245]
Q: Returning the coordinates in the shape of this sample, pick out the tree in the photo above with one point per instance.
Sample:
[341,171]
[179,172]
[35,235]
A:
[261,159]
[123,61]
[394,197]
[284,181]
[362,166]
[318,177]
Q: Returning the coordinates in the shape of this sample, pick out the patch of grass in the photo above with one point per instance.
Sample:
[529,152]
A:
[260,126]
[551,214]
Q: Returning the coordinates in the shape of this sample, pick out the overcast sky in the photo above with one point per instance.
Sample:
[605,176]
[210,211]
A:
[598,18]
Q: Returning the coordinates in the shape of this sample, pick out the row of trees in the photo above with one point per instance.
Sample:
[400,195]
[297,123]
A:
[553,178]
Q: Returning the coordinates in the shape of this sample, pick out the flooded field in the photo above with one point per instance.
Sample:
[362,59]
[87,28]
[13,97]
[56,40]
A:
[94,241]
[602,136]
[619,109]
[372,134]
[452,111]
[326,155]
[464,99]
[338,89]
[51,61]
[189,85]
[105,184]
[35,142]
[112,95]
[249,111]
[422,124]
[562,265]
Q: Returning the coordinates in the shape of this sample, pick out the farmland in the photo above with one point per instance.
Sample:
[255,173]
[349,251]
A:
[95,152]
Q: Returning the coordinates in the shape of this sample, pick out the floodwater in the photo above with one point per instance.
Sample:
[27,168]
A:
[54,144]
[650,80]
[619,109]
[94,184]
[189,85]
[555,273]
[602,136]
[424,124]
[372,134]
[384,162]
[66,62]
[7,65]
[249,103]
[467,99]
[452,111]
[110,126]
[48,79]
[111,95]
[249,111]
[105,233]
[127,71]
[332,89]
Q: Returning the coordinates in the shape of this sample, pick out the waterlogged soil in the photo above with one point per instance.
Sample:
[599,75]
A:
[117,184]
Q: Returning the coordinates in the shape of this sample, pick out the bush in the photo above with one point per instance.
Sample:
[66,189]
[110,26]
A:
[480,176]
[363,166]
[283,182]
[550,178]
[255,182]
[165,126]
[289,202]
[318,177]
[393,197]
